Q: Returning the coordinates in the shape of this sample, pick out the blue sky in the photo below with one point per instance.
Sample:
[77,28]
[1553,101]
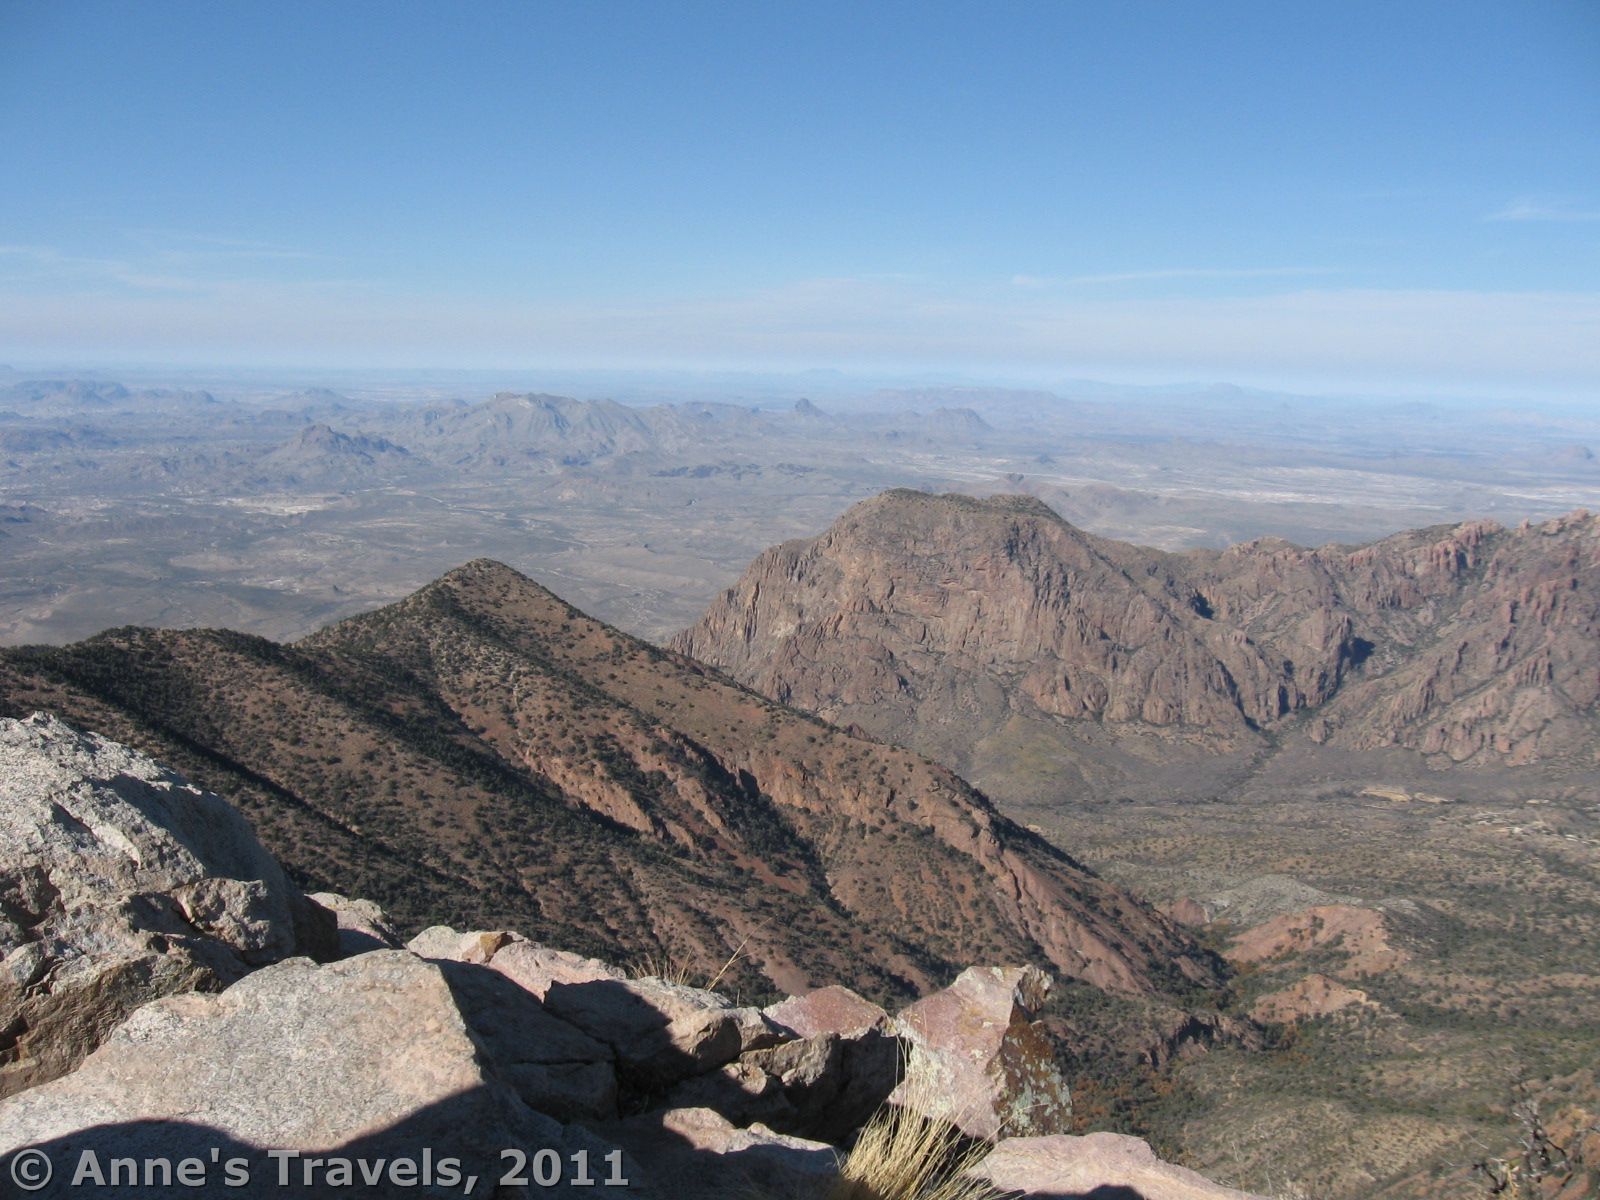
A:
[1353,194]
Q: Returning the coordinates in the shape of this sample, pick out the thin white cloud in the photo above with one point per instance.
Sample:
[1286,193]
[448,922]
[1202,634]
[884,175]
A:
[1531,209]
[179,243]
[1200,273]
[211,271]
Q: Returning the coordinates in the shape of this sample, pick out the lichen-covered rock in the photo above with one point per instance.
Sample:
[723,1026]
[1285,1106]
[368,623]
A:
[978,1060]
[1110,1164]
[120,882]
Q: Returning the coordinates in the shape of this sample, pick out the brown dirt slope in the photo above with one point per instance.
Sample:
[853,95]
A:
[482,753]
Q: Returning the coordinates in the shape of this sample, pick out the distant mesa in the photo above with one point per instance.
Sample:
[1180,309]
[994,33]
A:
[322,395]
[324,439]
[49,397]
[17,514]
[940,424]
[33,439]
[804,408]
[552,432]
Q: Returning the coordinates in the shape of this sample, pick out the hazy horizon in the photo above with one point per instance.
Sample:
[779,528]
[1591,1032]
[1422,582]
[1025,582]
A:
[1364,199]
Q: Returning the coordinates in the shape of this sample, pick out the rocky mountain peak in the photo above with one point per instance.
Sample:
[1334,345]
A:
[941,621]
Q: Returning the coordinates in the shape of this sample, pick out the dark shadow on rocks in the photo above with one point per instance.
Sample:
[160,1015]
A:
[554,1067]
[472,1129]
[440,1148]
[648,1058]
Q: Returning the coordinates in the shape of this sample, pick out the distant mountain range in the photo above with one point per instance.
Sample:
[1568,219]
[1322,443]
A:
[484,754]
[971,629]
[320,453]
[560,431]
[54,397]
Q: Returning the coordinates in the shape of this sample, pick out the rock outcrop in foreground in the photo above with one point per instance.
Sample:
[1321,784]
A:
[121,883]
[476,1063]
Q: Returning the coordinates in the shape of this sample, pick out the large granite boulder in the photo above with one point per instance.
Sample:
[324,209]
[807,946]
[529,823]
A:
[121,882]
[978,1060]
[372,1057]
[1108,1164]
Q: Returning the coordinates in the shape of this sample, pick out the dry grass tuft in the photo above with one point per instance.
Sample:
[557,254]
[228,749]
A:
[670,968]
[903,1155]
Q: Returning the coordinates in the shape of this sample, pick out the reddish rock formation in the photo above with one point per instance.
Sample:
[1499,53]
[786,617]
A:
[1360,934]
[1314,996]
[831,1009]
[978,1060]
[1188,911]
[938,621]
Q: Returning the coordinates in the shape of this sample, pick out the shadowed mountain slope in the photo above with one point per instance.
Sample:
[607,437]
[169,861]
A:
[949,624]
[484,754]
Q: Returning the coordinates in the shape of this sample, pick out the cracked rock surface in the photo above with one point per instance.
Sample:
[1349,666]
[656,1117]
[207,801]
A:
[120,883]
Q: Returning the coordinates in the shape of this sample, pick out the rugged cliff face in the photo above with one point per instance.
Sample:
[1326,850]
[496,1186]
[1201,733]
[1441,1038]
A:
[943,621]
[483,753]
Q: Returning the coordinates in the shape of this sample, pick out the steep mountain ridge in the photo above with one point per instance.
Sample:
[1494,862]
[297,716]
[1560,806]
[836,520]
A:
[937,620]
[484,753]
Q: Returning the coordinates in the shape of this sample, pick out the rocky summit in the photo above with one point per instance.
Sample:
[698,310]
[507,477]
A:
[463,1062]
